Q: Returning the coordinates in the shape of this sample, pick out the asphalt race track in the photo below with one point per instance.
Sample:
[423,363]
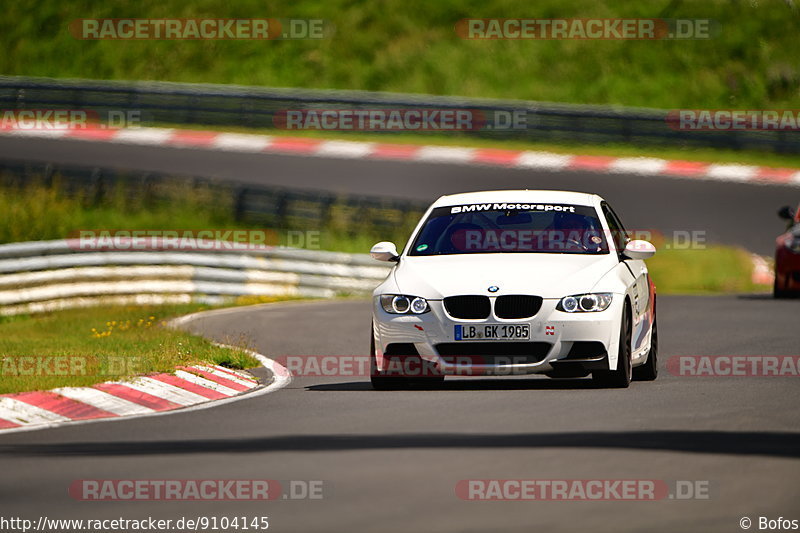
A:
[725,212]
[390,460]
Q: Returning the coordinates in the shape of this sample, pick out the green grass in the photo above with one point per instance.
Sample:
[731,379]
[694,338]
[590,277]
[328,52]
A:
[40,211]
[715,269]
[411,46]
[87,346]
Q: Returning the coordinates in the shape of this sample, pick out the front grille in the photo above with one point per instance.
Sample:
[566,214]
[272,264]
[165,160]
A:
[468,306]
[493,353]
[517,306]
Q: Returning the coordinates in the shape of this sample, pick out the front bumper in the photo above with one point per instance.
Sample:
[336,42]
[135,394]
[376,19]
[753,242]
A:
[560,343]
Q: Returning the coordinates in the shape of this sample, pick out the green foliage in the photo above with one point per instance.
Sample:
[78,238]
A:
[411,46]
[44,211]
[81,347]
[715,269]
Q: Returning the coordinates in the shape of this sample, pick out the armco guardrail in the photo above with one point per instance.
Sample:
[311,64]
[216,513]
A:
[51,275]
[207,104]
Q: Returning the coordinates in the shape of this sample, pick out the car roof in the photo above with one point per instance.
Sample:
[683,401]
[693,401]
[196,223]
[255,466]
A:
[520,195]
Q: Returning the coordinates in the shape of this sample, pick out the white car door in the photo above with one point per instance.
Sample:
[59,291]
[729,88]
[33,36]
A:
[639,290]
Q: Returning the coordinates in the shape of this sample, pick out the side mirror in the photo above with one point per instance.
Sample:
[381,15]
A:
[786,213]
[385,251]
[639,250]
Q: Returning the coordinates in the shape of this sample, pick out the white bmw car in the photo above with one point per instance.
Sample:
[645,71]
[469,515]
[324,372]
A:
[515,282]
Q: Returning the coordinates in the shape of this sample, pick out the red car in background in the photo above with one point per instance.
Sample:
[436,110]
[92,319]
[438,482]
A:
[787,255]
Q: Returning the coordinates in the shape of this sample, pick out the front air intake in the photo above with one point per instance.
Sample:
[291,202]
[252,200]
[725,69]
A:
[493,353]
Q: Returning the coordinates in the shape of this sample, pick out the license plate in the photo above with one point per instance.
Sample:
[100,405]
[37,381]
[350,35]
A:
[493,332]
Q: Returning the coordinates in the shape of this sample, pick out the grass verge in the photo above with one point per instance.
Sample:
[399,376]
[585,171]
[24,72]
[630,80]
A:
[712,270]
[43,211]
[411,46]
[82,347]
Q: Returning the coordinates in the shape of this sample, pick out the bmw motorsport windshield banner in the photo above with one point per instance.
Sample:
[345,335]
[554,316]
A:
[511,227]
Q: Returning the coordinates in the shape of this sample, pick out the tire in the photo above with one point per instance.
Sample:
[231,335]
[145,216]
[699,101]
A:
[621,377]
[777,292]
[380,381]
[649,370]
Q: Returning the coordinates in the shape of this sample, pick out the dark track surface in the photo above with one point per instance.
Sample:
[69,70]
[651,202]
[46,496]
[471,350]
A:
[729,213]
[391,459]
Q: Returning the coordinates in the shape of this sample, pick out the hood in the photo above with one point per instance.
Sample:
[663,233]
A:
[545,275]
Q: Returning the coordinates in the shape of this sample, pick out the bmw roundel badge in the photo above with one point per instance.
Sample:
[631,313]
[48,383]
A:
[493,288]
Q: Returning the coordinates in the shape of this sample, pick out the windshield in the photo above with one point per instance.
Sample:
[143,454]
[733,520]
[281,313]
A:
[511,228]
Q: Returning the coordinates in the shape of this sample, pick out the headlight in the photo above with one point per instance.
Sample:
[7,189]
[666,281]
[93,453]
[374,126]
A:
[400,304]
[585,303]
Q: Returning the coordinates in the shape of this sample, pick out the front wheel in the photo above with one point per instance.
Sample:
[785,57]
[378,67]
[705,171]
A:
[778,292]
[649,370]
[621,377]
